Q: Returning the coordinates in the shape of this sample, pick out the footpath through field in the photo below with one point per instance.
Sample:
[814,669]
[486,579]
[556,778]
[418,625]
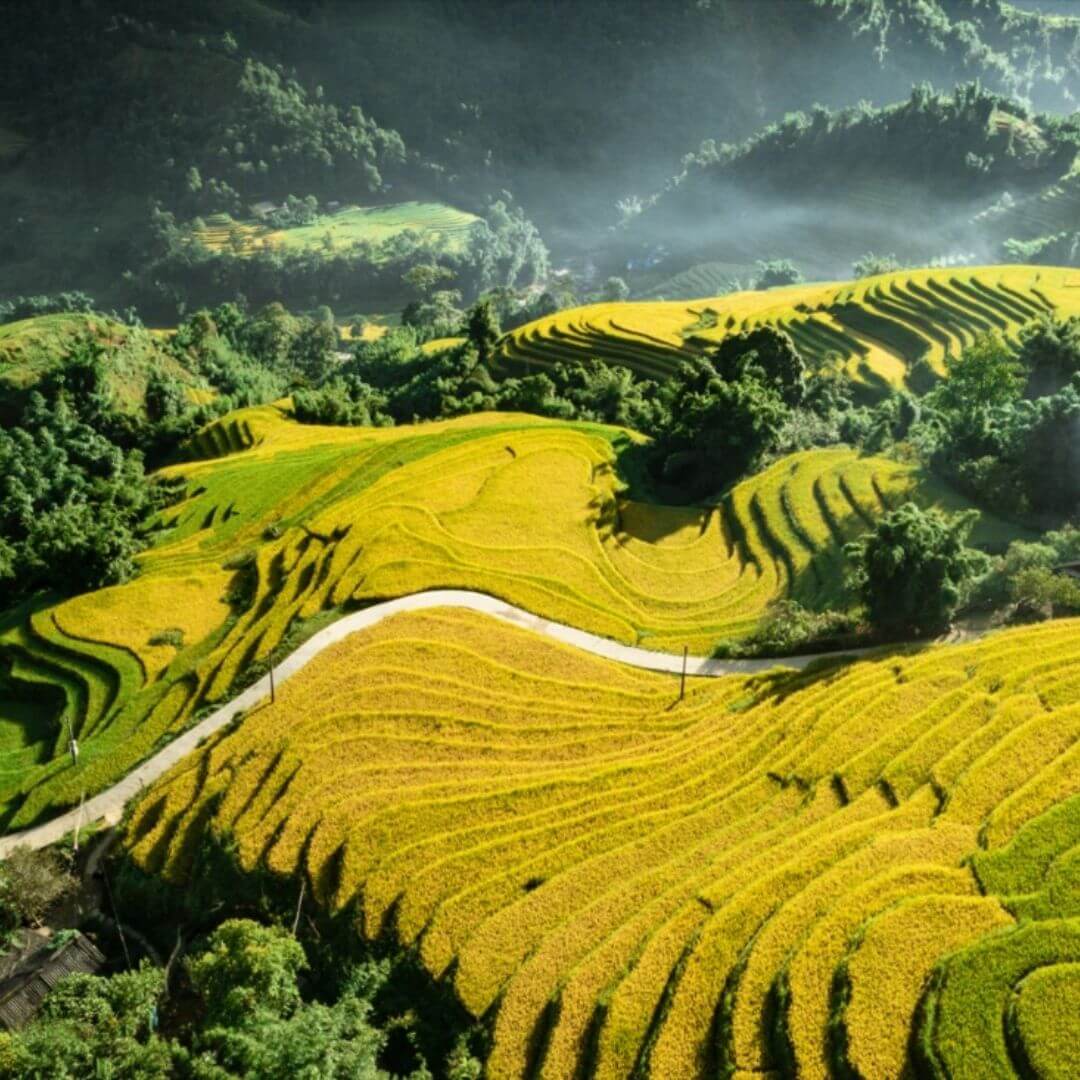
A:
[108,806]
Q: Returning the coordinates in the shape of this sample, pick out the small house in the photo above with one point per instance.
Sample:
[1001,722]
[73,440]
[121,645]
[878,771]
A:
[24,990]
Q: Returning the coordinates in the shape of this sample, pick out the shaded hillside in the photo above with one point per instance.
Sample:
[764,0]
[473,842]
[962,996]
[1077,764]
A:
[34,351]
[825,187]
[206,109]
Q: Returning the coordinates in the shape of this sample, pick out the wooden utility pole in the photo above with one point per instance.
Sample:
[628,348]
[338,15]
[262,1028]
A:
[682,680]
[299,905]
[78,820]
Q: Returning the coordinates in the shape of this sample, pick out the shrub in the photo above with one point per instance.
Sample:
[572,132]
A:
[914,568]
[30,883]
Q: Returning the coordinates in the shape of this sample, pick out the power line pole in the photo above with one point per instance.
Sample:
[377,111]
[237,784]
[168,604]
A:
[299,905]
[682,680]
[78,820]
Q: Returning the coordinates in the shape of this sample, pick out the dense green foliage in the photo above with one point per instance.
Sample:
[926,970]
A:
[822,184]
[1019,455]
[76,500]
[177,272]
[27,307]
[301,104]
[240,1014]
[719,427]
[913,568]
[73,503]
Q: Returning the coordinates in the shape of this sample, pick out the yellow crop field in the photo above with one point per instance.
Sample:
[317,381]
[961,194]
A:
[340,230]
[283,523]
[880,327]
[135,615]
[619,882]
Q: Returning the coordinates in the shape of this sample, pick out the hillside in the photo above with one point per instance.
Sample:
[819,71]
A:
[759,879]
[540,540]
[434,222]
[32,350]
[283,525]
[823,187]
[881,327]
[382,104]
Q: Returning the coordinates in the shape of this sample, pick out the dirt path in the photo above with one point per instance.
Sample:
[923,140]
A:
[108,806]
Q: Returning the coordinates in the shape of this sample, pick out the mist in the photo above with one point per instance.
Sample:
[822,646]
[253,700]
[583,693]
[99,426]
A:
[575,107]
[568,113]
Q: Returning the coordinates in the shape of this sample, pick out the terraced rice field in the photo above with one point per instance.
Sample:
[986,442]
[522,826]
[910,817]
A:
[880,327]
[345,227]
[701,279]
[294,522]
[812,874]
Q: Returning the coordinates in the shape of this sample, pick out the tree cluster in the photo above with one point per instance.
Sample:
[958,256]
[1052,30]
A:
[1005,428]
[234,1010]
[174,271]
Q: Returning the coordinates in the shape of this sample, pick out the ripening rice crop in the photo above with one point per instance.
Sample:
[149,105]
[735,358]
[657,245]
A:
[620,883]
[282,523]
[343,228]
[151,618]
[879,327]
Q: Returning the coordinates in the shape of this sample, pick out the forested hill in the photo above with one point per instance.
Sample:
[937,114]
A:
[124,124]
[915,178]
[497,94]
[613,95]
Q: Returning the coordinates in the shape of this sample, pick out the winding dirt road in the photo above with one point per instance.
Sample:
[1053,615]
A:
[108,806]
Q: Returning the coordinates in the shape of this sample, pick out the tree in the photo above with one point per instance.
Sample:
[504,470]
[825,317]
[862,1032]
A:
[615,290]
[425,278]
[164,398]
[718,428]
[335,1042]
[72,503]
[437,316]
[483,330]
[92,1027]
[777,272]
[871,265]
[912,570]
[1050,353]
[1046,444]
[253,1023]
[769,349]
[247,970]
[984,376]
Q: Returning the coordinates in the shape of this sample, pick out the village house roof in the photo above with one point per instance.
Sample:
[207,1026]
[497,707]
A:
[22,993]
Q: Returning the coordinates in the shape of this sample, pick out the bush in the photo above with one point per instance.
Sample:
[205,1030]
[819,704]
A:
[788,627]
[871,265]
[778,272]
[30,883]
[1037,589]
[914,570]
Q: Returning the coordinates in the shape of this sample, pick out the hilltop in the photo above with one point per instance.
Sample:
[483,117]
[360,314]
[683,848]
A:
[35,350]
[250,104]
[889,332]
[942,175]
